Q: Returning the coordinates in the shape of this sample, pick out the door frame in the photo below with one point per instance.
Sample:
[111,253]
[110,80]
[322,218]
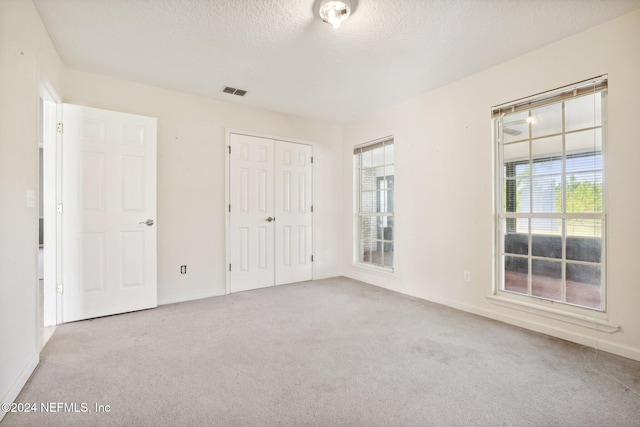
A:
[52,189]
[227,195]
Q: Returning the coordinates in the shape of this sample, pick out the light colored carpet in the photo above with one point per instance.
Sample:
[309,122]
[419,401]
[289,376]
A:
[333,352]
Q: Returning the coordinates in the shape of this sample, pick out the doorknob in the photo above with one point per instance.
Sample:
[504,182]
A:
[148,222]
[271,219]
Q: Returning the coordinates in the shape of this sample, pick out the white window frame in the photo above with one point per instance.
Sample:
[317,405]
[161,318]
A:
[595,85]
[358,214]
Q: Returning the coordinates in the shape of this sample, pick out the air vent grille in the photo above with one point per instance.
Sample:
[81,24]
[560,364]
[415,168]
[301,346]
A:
[234,91]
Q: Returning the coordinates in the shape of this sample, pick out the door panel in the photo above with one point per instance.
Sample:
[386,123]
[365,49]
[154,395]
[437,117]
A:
[251,197]
[108,189]
[293,181]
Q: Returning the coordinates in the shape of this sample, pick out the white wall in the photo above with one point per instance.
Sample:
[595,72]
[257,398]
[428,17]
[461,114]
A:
[27,56]
[191,177]
[444,181]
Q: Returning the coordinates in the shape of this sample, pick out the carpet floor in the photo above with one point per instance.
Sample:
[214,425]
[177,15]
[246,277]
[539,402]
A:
[334,352]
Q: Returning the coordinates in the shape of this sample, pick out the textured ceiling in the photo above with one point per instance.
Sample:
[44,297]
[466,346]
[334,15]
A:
[290,61]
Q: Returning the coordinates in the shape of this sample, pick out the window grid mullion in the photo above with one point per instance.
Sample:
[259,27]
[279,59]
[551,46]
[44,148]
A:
[563,207]
[529,236]
[588,215]
[551,135]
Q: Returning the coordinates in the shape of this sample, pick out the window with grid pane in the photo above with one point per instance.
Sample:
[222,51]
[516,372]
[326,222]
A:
[551,213]
[374,182]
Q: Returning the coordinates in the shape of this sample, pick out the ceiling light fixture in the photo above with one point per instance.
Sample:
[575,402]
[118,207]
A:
[335,12]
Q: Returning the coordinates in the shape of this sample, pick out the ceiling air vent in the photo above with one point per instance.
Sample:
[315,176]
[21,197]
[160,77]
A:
[234,91]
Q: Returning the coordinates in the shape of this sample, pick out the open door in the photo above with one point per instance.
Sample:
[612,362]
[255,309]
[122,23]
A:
[108,213]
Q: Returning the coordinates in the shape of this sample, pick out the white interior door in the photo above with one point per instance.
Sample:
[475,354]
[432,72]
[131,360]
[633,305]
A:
[293,183]
[252,215]
[270,220]
[109,207]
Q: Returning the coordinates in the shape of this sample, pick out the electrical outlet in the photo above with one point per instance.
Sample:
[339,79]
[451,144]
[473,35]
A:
[183,269]
[467,276]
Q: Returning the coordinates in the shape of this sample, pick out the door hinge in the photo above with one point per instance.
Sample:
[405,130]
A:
[229,267]
[311,258]
[311,208]
[229,207]
[311,159]
[59,127]
[229,149]
[60,288]
[59,208]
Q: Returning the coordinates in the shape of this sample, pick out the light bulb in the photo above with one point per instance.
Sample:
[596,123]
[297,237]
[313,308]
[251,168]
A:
[333,18]
[334,11]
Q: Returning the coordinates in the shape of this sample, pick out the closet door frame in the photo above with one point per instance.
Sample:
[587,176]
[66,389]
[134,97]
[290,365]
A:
[228,195]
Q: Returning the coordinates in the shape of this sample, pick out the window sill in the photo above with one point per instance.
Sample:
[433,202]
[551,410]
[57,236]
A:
[591,322]
[372,268]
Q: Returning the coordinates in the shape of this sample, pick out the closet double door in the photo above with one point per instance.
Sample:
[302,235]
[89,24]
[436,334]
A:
[270,212]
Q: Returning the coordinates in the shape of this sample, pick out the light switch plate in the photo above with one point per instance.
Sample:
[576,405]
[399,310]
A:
[31,199]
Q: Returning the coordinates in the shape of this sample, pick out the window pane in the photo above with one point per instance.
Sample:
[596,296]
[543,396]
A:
[376,201]
[365,251]
[368,179]
[583,112]
[584,142]
[547,166]
[367,159]
[584,192]
[368,201]
[546,279]
[388,254]
[516,154]
[515,127]
[547,155]
[513,195]
[516,272]
[546,120]
[584,240]
[388,154]
[546,226]
[378,156]
[389,176]
[515,236]
[584,162]
[584,285]
[547,194]
[545,245]
[382,202]
[368,226]
[385,228]
[389,201]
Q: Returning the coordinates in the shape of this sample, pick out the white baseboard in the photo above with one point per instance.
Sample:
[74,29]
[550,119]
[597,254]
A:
[15,389]
[172,299]
[583,339]
[586,340]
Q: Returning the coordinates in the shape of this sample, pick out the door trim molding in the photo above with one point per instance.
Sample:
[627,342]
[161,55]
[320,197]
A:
[52,168]
[227,195]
